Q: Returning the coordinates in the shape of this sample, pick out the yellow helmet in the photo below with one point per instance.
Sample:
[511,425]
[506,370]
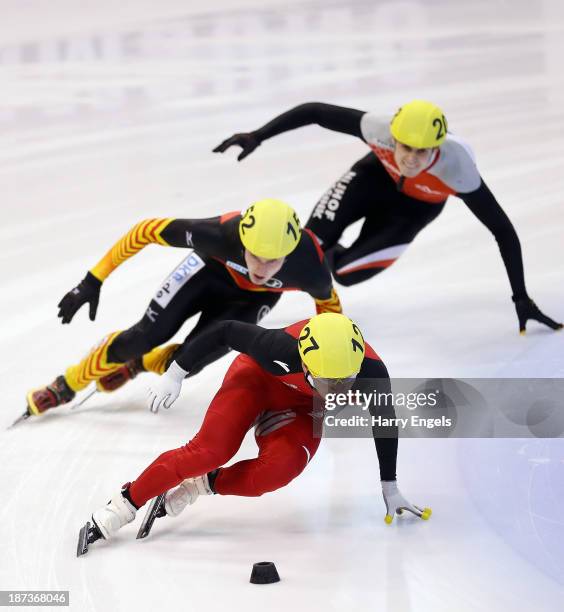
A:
[270,228]
[331,346]
[419,124]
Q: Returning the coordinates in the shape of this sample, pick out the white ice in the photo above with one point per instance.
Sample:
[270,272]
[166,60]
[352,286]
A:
[109,112]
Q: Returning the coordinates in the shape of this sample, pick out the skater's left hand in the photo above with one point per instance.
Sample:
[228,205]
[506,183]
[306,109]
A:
[248,141]
[164,392]
[527,309]
[396,503]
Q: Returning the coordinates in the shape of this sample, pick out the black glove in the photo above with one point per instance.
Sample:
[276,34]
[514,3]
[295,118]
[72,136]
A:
[248,142]
[527,309]
[88,290]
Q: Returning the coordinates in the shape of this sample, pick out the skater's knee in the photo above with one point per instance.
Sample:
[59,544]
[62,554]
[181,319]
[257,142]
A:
[346,280]
[267,483]
[349,278]
[130,344]
[275,474]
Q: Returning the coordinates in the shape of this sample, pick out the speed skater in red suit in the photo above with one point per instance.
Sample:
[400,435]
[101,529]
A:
[271,386]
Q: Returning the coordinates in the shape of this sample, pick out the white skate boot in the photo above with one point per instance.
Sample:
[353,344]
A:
[115,514]
[186,493]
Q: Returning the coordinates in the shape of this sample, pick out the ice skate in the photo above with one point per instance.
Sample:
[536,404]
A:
[118,512]
[116,379]
[106,521]
[50,396]
[185,494]
[174,501]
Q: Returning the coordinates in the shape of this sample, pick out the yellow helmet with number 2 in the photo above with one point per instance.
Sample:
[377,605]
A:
[419,124]
[270,228]
[331,346]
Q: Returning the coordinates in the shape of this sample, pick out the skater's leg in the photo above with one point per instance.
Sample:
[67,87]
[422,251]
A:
[156,361]
[230,415]
[221,302]
[119,347]
[286,445]
[382,239]
[352,197]
[173,303]
[375,249]
[161,321]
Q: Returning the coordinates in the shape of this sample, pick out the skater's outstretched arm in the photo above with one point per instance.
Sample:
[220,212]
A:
[263,345]
[336,118]
[486,208]
[374,378]
[184,233]
[259,343]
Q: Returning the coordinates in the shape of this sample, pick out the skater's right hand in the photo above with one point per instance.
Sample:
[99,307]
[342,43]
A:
[247,141]
[87,291]
[165,391]
[528,310]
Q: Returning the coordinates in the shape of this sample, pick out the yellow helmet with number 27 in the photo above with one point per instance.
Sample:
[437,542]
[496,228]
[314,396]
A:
[331,346]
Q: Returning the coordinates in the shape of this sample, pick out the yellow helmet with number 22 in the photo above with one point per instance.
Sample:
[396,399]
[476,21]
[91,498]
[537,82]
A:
[270,228]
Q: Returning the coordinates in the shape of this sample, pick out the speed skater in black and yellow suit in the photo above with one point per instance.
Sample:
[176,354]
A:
[398,188]
[238,268]
[276,386]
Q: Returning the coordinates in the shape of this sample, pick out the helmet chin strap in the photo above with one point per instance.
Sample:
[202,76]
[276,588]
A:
[308,377]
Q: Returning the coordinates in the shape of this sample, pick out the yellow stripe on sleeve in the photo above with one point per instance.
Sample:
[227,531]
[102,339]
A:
[139,236]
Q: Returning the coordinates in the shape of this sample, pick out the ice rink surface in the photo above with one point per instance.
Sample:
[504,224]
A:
[108,116]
